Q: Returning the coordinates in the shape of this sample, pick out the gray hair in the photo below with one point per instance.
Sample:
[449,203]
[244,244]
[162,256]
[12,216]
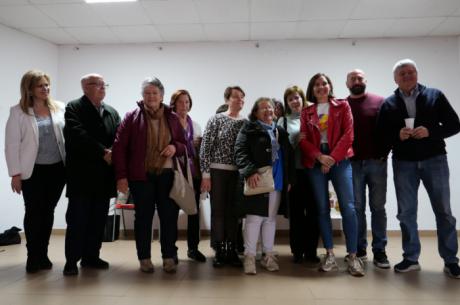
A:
[404,62]
[85,78]
[153,81]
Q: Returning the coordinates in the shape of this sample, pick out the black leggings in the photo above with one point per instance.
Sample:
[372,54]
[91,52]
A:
[224,219]
[41,194]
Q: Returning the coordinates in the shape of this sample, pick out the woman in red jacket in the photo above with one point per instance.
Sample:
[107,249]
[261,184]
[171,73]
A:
[327,124]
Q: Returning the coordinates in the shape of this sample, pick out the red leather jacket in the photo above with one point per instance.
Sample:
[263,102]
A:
[339,132]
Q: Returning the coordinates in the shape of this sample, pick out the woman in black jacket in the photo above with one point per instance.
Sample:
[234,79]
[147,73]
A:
[261,143]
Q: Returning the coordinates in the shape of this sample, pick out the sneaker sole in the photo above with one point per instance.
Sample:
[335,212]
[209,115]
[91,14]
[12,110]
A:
[382,265]
[447,271]
[409,269]
[329,270]
[356,274]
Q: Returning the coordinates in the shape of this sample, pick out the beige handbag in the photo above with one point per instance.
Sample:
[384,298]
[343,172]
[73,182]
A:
[266,183]
[182,190]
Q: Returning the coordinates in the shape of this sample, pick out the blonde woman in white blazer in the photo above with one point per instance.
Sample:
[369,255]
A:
[35,155]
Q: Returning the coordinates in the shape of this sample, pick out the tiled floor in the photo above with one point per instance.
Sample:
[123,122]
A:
[196,283]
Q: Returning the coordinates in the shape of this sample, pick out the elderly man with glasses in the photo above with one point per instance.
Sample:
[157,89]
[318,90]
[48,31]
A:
[90,127]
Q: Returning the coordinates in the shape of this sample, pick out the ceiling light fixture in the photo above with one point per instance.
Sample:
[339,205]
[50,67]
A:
[108,1]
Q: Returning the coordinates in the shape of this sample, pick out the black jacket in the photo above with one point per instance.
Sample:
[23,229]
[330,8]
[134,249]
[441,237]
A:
[86,135]
[252,151]
[433,112]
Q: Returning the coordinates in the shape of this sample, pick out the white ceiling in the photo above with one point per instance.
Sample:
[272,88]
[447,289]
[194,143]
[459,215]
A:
[147,21]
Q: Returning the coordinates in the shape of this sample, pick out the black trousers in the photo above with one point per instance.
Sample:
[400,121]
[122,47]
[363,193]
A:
[147,195]
[193,221]
[224,217]
[86,218]
[41,194]
[303,218]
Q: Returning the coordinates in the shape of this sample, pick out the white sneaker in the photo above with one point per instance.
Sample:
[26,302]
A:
[169,266]
[329,263]
[270,262]
[146,265]
[249,264]
[355,266]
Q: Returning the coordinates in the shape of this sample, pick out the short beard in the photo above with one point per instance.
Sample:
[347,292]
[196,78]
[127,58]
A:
[358,89]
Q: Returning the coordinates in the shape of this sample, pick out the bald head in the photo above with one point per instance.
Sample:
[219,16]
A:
[356,83]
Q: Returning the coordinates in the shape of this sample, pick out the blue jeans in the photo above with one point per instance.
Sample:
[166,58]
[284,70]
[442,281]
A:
[341,177]
[434,173]
[372,173]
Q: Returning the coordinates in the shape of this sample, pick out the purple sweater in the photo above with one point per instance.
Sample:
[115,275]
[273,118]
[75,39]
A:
[365,111]
[129,148]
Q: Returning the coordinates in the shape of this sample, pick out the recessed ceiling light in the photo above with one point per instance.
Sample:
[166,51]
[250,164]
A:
[108,1]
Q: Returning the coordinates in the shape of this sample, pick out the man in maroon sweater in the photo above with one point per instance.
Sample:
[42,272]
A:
[369,168]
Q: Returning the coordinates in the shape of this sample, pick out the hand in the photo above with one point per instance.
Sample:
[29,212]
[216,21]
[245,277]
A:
[122,185]
[326,160]
[169,151]
[205,185]
[253,180]
[16,184]
[108,156]
[405,133]
[289,187]
[420,132]
[325,169]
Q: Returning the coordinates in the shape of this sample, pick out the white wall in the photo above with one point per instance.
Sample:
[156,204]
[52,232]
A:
[18,53]
[205,69]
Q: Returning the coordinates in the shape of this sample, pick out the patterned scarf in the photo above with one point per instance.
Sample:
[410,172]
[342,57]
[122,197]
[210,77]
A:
[157,140]
[273,133]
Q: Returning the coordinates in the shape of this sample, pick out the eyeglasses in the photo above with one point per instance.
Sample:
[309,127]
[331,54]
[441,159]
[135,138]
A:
[99,85]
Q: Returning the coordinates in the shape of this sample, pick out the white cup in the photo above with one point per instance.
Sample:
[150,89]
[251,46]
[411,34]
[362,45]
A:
[409,123]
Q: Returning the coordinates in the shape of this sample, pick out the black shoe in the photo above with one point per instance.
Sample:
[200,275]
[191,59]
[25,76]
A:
[196,255]
[297,258]
[232,255]
[32,265]
[220,256]
[46,264]
[406,266]
[70,269]
[452,270]
[381,260]
[362,254]
[96,263]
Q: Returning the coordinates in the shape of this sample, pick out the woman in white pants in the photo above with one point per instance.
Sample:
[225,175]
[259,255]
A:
[260,144]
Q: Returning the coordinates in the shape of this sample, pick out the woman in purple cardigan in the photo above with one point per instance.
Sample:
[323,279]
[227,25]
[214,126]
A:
[181,104]
[146,142]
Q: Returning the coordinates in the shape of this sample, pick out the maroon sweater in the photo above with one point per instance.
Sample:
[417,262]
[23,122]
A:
[365,111]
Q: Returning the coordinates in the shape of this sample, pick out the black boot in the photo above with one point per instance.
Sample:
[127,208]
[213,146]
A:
[220,256]
[232,255]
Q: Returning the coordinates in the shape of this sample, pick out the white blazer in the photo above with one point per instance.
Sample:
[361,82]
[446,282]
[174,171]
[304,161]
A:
[21,139]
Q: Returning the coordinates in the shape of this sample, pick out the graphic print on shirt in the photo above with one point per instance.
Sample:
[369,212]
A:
[323,122]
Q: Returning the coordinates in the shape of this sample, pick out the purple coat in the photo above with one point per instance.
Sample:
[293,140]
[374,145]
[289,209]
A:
[129,148]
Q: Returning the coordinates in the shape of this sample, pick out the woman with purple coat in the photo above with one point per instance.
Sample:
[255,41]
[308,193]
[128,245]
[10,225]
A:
[146,142]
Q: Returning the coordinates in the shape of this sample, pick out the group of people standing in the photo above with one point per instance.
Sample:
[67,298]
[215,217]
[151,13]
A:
[319,139]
